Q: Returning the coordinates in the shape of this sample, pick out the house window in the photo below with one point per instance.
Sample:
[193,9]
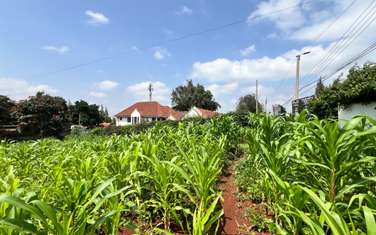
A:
[120,118]
[135,120]
[128,119]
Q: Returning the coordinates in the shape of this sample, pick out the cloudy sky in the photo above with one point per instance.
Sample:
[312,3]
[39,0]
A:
[107,52]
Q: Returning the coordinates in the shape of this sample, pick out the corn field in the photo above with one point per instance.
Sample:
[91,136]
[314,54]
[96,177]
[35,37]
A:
[163,180]
[313,176]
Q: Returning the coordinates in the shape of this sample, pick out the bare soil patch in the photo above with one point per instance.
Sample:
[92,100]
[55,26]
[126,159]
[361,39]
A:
[235,220]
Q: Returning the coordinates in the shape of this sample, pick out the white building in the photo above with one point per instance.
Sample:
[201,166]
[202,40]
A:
[198,112]
[152,111]
[146,112]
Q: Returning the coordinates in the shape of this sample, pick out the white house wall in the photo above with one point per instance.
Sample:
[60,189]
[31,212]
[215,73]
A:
[137,114]
[171,118]
[357,109]
[122,122]
[192,113]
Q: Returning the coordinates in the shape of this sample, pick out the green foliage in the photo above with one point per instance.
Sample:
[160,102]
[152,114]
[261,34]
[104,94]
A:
[359,87]
[185,97]
[319,88]
[82,113]
[160,179]
[310,172]
[7,109]
[258,219]
[247,104]
[43,115]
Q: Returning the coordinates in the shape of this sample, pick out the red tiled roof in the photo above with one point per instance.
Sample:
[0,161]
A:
[150,109]
[207,113]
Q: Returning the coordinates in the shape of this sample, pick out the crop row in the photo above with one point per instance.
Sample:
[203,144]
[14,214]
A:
[160,181]
[314,176]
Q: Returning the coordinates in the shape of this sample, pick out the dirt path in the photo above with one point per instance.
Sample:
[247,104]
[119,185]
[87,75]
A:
[234,219]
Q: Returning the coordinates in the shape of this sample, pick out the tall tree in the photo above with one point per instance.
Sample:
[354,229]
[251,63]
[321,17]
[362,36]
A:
[247,104]
[43,115]
[104,116]
[184,97]
[7,109]
[84,114]
[319,87]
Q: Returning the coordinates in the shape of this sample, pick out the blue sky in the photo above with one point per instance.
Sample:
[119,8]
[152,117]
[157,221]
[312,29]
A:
[42,40]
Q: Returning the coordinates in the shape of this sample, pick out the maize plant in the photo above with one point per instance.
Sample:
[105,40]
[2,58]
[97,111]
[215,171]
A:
[310,171]
[161,180]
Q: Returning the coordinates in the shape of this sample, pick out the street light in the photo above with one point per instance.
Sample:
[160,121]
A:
[297,82]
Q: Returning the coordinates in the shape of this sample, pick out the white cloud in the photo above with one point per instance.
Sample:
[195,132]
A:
[247,51]
[286,20]
[263,90]
[21,89]
[221,89]
[97,94]
[267,93]
[106,85]
[184,10]
[60,50]
[96,17]
[140,90]
[161,53]
[321,20]
[264,68]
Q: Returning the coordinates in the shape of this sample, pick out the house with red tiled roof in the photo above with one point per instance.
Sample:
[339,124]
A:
[150,111]
[198,112]
[147,111]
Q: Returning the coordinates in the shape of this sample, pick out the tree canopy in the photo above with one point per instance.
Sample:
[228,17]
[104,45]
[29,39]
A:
[82,113]
[359,87]
[184,97]
[43,115]
[7,110]
[247,104]
[319,87]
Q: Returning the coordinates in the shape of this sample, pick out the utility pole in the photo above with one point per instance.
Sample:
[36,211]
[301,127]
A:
[150,88]
[266,104]
[297,81]
[257,97]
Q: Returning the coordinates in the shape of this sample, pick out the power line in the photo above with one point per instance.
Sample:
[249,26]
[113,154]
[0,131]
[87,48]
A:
[362,54]
[318,37]
[346,39]
[347,35]
[365,52]
[363,27]
[335,21]
[180,38]
[343,37]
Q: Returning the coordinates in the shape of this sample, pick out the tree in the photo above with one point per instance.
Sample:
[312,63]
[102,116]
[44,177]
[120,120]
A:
[319,87]
[43,115]
[81,113]
[7,109]
[103,113]
[247,104]
[359,87]
[187,96]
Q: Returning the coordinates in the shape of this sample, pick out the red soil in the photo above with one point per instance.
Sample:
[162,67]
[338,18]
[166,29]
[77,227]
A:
[125,231]
[235,221]
[233,214]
